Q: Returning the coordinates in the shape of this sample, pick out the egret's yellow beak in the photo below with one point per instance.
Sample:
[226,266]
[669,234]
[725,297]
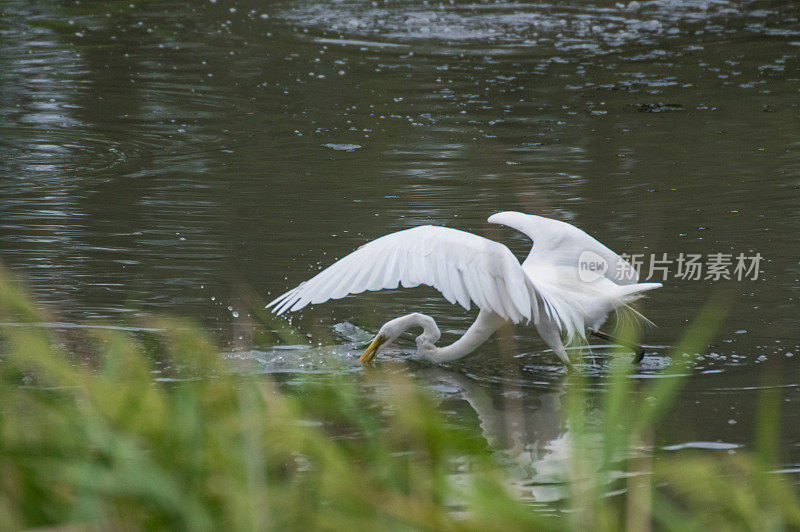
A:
[372,350]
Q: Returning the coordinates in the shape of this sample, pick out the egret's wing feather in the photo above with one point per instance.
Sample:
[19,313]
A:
[553,268]
[560,244]
[465,268]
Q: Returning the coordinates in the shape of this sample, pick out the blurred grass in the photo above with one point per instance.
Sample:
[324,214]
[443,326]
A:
[159,434]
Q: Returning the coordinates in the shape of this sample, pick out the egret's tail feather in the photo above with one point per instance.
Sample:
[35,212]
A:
[628,313]
[631,292]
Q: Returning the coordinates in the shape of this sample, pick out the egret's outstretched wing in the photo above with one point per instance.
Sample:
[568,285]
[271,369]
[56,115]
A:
[464,267]
[578,279]
[559,244]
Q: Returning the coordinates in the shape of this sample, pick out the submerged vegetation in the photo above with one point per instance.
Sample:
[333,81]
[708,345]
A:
[155,431]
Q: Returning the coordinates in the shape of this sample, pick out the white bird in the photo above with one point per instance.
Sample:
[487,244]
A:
[569,282]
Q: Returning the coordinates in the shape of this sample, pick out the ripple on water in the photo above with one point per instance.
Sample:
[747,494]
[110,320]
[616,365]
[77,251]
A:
[66,153]
[706,445]
[342,147]
[568,26]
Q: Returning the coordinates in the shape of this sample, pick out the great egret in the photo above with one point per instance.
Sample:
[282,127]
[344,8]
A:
[568,282]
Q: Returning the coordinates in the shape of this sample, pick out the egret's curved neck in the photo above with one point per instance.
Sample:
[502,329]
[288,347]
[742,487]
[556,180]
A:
[485,325]
[430,331]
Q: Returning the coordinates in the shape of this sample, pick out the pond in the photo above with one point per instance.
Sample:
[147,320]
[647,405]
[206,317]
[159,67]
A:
[200,158]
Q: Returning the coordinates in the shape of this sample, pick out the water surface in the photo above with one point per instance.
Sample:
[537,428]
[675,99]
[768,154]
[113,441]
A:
[199,158]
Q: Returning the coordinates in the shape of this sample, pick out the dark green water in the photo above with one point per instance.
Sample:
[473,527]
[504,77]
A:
[198,158]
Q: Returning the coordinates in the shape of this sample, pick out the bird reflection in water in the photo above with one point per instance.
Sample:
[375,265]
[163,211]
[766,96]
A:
[524,424]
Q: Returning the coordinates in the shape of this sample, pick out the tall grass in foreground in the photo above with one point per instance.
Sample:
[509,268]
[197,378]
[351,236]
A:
[96,441]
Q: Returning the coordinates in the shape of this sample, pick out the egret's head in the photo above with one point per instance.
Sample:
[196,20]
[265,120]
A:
[388,333]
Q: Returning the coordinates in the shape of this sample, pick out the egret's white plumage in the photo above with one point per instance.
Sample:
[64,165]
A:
[546,289]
